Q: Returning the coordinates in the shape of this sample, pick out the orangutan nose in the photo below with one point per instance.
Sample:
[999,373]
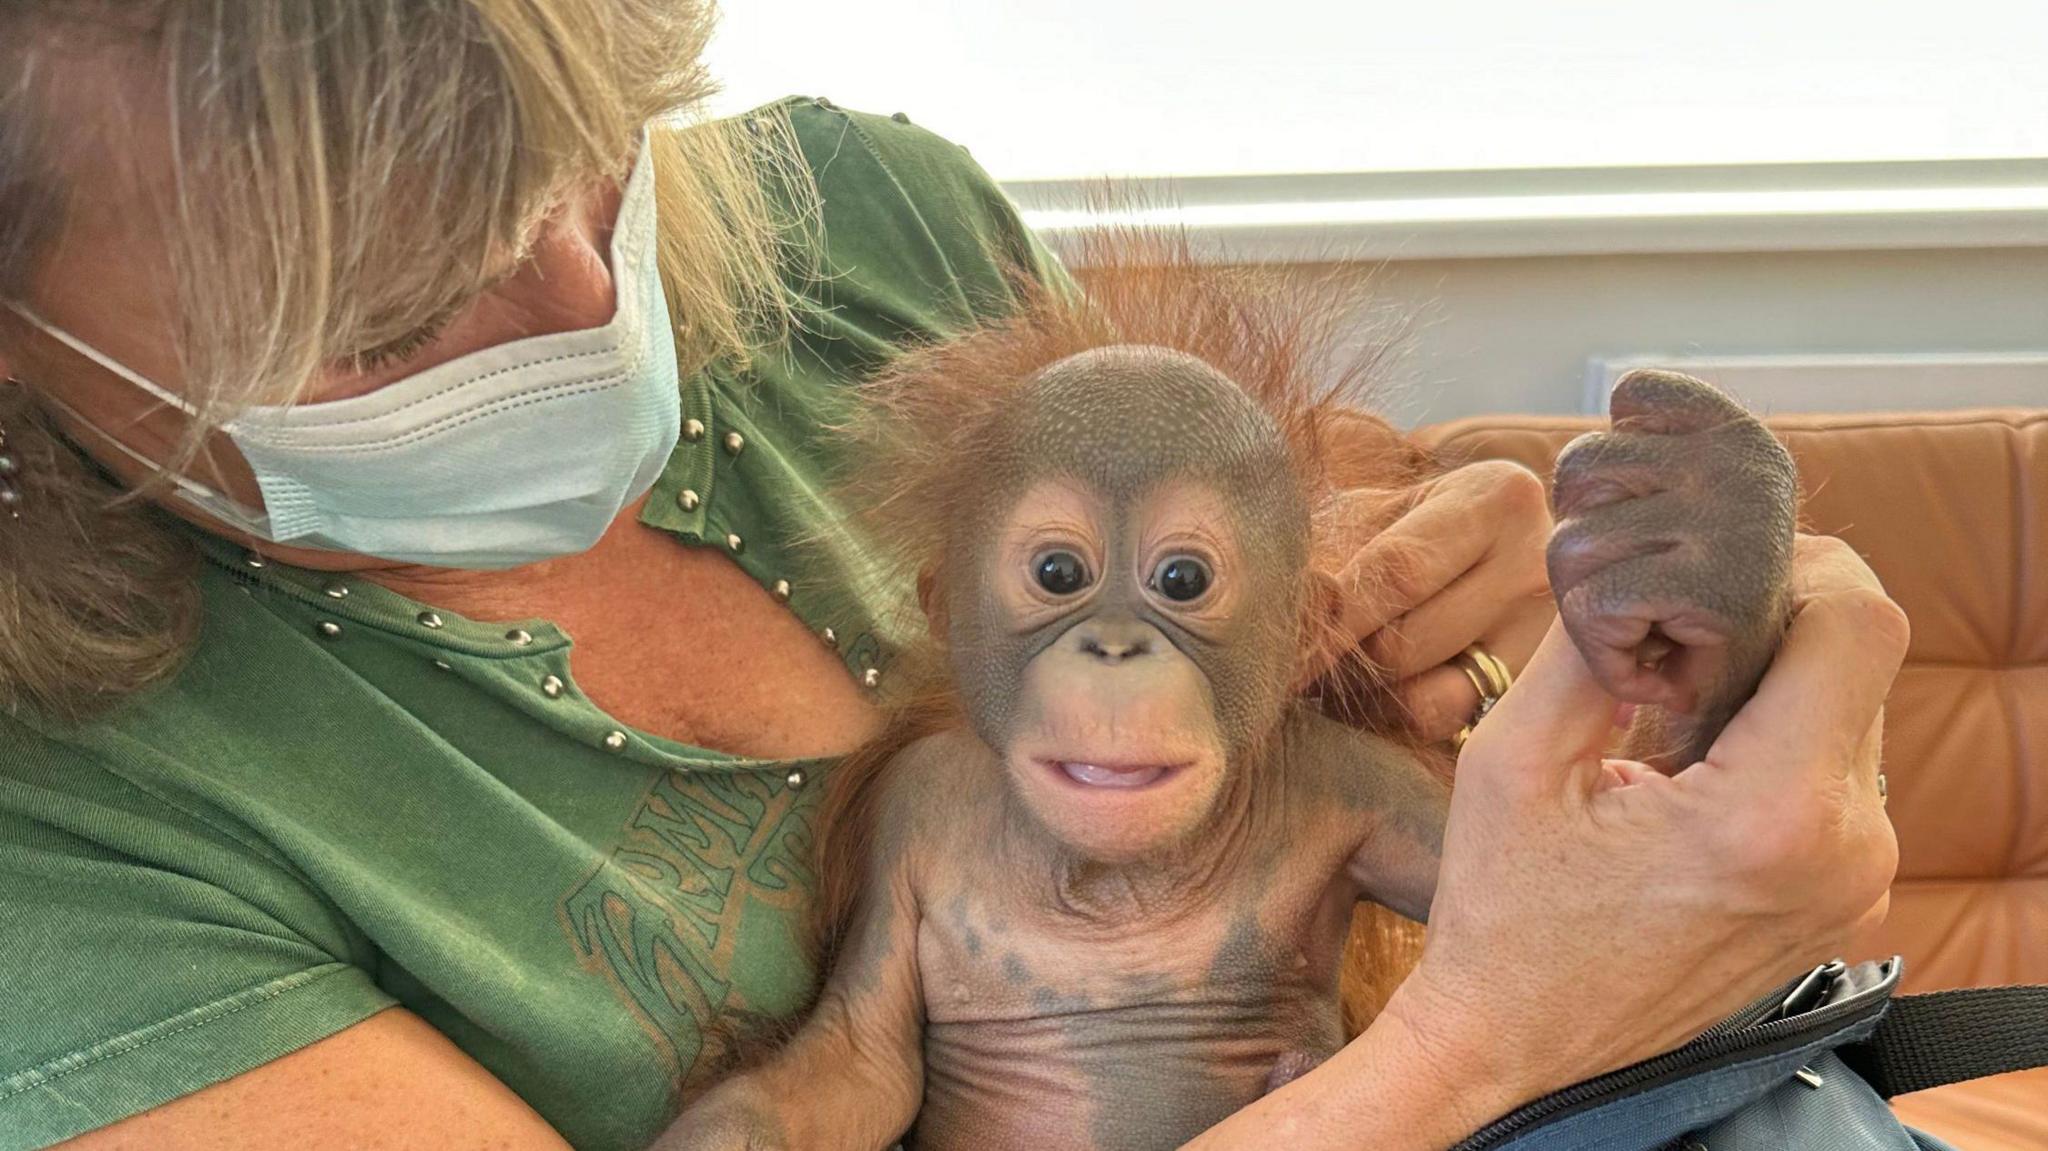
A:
[1114,641]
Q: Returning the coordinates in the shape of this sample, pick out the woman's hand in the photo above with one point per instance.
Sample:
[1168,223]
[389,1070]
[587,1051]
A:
[1591,914]
[1461,565]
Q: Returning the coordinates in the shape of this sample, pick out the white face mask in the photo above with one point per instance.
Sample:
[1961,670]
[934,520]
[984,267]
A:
[510,454]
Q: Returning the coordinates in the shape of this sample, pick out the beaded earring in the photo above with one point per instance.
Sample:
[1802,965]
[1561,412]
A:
[10,466]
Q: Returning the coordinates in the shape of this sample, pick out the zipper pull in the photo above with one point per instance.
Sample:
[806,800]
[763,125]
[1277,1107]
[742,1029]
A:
[1808,993]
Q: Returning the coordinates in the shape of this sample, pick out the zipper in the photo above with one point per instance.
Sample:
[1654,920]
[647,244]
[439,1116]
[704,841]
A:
[1773,1024]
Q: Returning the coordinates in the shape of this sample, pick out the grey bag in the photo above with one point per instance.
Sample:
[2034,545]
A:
[1809,1066]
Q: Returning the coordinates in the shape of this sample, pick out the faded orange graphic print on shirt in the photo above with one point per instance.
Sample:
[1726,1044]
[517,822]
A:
[660,919]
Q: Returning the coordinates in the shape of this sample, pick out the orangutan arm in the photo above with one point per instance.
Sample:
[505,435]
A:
[1396,864]
[1382,799]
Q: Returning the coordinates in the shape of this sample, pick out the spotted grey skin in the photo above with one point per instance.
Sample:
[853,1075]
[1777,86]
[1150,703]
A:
[1119,420]
[1673,555]
[1133,1026]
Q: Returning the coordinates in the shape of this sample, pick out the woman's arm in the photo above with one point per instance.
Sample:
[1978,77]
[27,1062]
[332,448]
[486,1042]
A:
[388,1082]
[1403,1085]
[1591,913]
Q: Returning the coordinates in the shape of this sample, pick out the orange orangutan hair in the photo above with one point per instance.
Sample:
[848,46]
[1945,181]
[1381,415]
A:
[1278,335]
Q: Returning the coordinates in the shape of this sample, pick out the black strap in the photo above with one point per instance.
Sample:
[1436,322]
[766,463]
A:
[1949,1036]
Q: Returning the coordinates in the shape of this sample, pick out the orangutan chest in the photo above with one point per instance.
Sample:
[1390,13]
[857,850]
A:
[1145,1032]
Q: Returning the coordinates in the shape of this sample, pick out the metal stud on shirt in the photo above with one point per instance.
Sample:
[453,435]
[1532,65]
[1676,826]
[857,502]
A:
[551,686]
[795,779]
[781,590]
[519,636]
[616,741]
[688,500]
[428,620]
[734,543]
[735,443]
[336,590]
[693,430]
[871,678]
[328,629]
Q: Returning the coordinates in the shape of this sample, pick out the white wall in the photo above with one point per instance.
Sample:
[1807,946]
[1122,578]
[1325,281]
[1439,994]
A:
[1669,179]
[1515,335]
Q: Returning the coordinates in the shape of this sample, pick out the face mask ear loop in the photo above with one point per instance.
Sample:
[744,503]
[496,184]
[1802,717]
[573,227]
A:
[219,505]
[108,362]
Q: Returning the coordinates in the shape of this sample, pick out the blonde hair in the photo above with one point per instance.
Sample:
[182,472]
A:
[317,149]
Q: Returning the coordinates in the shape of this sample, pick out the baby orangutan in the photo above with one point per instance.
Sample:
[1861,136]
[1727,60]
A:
[1096,883]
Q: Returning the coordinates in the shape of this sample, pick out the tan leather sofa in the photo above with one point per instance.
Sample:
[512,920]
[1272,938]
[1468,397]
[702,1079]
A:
[1951,510]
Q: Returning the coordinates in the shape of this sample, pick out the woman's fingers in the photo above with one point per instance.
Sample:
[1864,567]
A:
[1441,699]
[1484,605]
[1824,564]
[1403,566]
[1479,510]
[1462,565]
[1550,728]
[1791,784]
[1439,702]
[1814,708]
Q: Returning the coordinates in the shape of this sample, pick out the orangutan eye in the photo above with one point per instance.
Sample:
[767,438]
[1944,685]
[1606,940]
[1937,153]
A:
[1060,572]
[1182,579]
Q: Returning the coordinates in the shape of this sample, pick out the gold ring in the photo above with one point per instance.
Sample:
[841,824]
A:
[1490,678]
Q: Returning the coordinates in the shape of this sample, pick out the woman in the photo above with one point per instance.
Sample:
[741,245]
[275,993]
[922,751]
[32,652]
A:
[315,830]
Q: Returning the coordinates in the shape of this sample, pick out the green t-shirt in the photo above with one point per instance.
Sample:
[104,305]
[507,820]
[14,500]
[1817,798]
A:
[347,801]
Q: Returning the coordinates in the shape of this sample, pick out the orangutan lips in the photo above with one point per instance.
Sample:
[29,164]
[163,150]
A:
[1098,775]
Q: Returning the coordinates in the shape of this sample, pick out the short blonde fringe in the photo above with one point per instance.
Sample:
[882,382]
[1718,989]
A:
[341,170]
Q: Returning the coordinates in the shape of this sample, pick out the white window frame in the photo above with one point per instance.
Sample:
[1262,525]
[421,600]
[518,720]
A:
[1557,212]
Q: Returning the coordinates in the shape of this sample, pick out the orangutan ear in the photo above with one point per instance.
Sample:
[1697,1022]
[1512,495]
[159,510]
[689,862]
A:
[1323,639]
[932,601]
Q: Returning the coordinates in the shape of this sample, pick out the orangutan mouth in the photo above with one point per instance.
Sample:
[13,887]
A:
[1120,776]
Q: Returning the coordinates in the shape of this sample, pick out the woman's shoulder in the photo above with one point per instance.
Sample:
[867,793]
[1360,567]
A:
[190,762]
[907,224]
[157,939]
[289,695]
[866,160]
